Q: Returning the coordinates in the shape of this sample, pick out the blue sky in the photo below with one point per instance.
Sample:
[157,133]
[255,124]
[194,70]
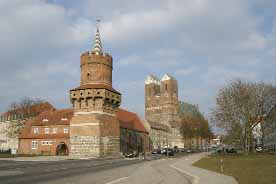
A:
[203,43]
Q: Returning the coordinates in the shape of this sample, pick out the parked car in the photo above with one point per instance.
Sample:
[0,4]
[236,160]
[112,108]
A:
[231,150]
[176,149]
[168,151]
[156,151]
[259,149]
[132,154]
[189,151]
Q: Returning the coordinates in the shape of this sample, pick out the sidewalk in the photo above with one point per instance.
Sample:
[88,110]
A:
[57,158]
[198,175]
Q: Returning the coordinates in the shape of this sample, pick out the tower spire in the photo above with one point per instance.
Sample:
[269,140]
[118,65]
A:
[97,48]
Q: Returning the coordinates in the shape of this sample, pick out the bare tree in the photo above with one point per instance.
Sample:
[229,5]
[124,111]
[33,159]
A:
[240,106]
[21,111]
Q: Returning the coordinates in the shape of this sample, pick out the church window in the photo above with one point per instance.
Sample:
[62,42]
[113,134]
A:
[166,87]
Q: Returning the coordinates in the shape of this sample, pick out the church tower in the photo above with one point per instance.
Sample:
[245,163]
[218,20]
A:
[94,128]
[152,99]
[169,99]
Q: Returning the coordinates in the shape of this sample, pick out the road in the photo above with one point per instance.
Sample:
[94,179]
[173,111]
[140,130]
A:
[104,171]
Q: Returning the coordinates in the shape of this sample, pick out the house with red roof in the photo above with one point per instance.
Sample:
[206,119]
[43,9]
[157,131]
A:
[49,133]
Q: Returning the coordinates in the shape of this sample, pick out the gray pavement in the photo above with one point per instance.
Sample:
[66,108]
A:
[198,175]
[111,171]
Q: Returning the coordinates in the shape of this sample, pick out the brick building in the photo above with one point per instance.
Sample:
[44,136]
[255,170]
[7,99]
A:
[49,133]
[133,135]
[162,110]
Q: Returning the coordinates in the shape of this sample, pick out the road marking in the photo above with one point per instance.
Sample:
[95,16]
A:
[195,179]
[117,180]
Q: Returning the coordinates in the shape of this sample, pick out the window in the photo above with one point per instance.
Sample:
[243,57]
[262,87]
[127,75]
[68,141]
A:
[34,144]
[54,130]
[66,130]
[36,130]
[46,143]
[46,130]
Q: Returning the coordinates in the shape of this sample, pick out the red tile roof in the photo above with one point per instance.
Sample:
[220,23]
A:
[96,86]
[54,117]
[130,120]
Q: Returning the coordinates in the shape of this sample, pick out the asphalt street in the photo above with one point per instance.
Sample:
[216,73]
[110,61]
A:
[103,171]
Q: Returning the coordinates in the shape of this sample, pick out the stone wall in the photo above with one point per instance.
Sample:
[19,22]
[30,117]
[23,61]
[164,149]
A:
[94,134]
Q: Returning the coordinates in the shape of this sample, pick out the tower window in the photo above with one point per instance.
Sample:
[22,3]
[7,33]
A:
[166,87]
[88,74]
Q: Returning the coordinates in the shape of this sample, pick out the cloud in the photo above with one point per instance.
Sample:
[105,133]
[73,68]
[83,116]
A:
[203,43]
[186,71]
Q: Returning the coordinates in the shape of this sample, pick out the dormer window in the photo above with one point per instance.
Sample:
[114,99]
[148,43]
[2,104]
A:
[63,119]
[45,120]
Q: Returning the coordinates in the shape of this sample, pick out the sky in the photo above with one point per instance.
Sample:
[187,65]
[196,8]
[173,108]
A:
[204,44]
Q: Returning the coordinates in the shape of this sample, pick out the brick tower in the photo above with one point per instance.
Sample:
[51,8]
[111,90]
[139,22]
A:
[94,129]
[169,99]
[152,99]
[161,99]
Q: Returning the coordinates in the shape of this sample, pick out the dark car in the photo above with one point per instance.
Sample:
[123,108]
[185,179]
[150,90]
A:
[156,151]
[176,149]
[169,152]
[132,154]
[231,150]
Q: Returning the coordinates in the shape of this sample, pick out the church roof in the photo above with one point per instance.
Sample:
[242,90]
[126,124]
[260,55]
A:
[167,77]
[151,79]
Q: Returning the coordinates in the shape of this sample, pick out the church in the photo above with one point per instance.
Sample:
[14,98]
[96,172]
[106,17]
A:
[162,112]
